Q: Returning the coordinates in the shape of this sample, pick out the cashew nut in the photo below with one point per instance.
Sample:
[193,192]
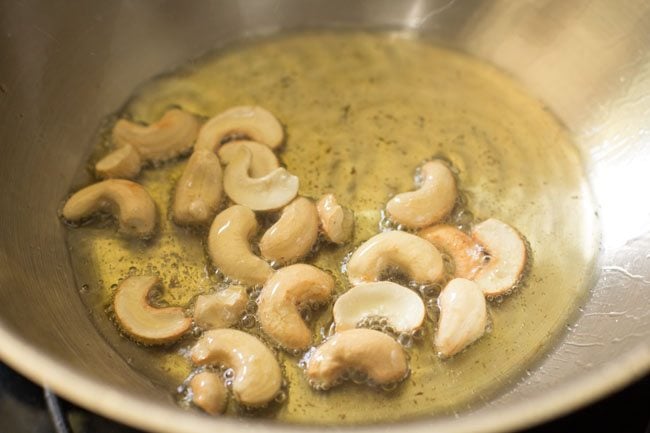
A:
[252,122]
[283,295]
[263,159]
[463,316]
[258,377]
[368,351]
[507,257]
[209,392]
[293,235]
[131,203]
[199,190]
[143,322]
[221,309]
[124,162]
[401,306]
[229,246]
[407,253]
[336,221]
[268,192]
[430,203]
[465,253]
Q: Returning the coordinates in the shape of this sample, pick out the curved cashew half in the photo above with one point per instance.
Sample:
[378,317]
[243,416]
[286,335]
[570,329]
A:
[293,235]
[410,254]
[209,392]
[252,122]
[371,352]
[288,290]
[430,203]
[229,246]
[143,322]
[263,159]
[258,377]
[124,162]
[199,190]
[465,253]
[463,316]
[221,309]
[336,221]
[268,192]
[401,306]
[130,202]
[507,257]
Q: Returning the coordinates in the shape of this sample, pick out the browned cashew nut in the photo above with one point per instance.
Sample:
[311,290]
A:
[263,159]
[336,221]
[463,250]
[221,309]
[124,162]
[128,201]
[209,392]
[282,297]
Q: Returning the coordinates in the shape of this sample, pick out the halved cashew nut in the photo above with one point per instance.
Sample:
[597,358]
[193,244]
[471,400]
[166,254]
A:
[463,316]
[209,393]
[463,250]
[221,309]
[128,201]
[229,246]
[395,250]
[263,159]
[268,192]
[430,203]
[282,297]
[141,321]
[368,351]
[507,257]
[293,235]
[252,122]
[124,162]
[199,190]
[258,377]
[336,221]
[401,306]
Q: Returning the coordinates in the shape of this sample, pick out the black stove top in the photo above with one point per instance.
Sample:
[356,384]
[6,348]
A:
[28,408]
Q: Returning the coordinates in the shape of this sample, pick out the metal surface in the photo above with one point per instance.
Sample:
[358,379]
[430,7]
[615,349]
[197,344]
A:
[63,68]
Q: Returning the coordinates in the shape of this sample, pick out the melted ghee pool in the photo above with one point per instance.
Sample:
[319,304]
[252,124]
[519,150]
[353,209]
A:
[361,112]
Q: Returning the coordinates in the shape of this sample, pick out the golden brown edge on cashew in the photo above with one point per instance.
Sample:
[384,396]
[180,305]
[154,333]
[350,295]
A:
[465,253]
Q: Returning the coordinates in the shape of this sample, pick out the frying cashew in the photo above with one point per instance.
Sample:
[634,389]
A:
[141,321]
[293,235]
[268,192]
[221,309]
[401,306]
[368,351]
[463,250]
[410,254]
[131,203]
[229,246]
[263,159]
[336,221]
[507,257]
[124,162]
[282,297]
[252,122]
[199,190]
[430,203]
[258,377]
[209,392]
[463,316]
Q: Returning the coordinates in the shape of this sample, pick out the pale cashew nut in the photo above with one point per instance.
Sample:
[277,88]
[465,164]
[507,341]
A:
[368,351]
[257,378]
[336,221]
[229,246]
[209,393]
[221,309]
[252,122]
[282,297]
[463,250]
[395,250]
[199,190]
[263,159]
[430,203]
[141,321]
[402,307]
[293,235]
[507,256]
[128,201]
[463,316]
[268,192]
[124,162]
